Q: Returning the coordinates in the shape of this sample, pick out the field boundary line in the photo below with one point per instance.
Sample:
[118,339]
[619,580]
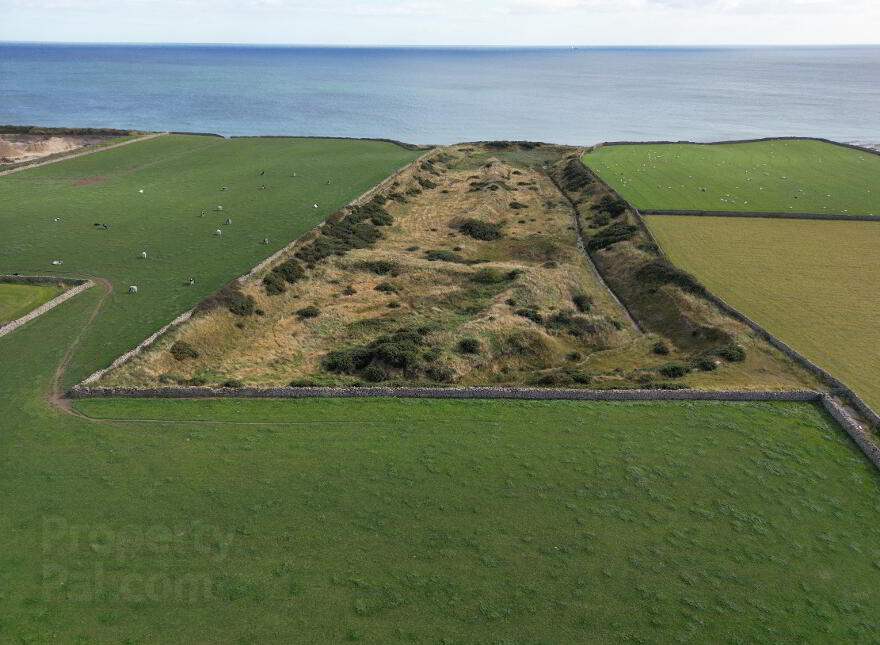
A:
[78,287]
[761,214]
[261,266]
[81,153]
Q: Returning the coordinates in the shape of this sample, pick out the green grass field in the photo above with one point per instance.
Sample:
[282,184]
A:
[810,283]
[181,176]
[396,521]
[768,176]
[18,299]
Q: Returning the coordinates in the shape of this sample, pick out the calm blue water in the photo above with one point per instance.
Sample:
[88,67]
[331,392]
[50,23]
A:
[447,95]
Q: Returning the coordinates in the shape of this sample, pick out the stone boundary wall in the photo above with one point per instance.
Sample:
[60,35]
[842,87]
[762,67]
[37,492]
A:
[182,318]
[402,144]
[78,287]
[451,392]
[764,214]
[853,429]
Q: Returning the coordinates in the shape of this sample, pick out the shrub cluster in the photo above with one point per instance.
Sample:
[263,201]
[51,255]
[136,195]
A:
[379,267]
[386,287]
[342,233]
[733,353]
[289,271]
[518,205]
[660,348]
[231,297]
[309,312]
[469,346]
[480,230]
[426,183]
[181,350]
[400,350]
[449,256]
[563,377]
[582,302]
[673,370]
[569,322]
[659,272]
[703,363]
[608,204]
[575,177]
[617,232]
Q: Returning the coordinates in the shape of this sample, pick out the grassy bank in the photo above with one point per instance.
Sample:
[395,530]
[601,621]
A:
[18,299]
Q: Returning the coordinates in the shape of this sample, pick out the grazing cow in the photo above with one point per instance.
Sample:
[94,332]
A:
[218,232]
[133,289]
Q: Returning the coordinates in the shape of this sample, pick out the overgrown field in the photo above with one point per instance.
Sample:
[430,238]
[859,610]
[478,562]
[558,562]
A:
[811,283]
[768,176]
[18,299]
[181,177]
[467,271]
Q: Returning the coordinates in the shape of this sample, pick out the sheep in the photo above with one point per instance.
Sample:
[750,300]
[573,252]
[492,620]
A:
[228,220]
[218,232]
[133,288]
[266,241]
[219,208]
[57,262]
[143,255]
[141,191]
[192,281]
[315,206]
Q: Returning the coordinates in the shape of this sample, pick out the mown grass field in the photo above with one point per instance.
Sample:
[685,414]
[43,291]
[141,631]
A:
[386,521]
[767,176]
[18,299]
[181,176]
[811,283]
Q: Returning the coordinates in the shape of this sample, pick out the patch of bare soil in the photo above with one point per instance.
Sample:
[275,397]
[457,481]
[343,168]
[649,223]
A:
[16,148]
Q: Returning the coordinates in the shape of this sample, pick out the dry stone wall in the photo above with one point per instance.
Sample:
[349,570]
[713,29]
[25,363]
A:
[78,286]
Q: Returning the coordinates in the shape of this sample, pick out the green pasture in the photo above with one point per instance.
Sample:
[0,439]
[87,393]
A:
[181,176]
[18,299]
[798,176]
[384,520]
[811,283]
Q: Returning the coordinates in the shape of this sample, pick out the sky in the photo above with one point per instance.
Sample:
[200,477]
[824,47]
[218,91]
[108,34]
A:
[445,22]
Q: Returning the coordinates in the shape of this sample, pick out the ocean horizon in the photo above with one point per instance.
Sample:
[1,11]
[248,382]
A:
[444,94]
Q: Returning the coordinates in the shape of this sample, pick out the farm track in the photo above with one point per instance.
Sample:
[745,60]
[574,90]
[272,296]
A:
[81,153]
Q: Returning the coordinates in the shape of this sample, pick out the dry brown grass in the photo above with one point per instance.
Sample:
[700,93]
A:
[278,347]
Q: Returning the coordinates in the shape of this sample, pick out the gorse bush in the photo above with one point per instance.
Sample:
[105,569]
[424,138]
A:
[469,346]
[583,302]
[617,232]
[733,353]
[379,267]
[480,230]
[531,313]
[660,348]
[703,363]
[518,205]
[659,272]
[274,284]
[241,305]
[575,176]
[181,351]
[385,287]
[342,233]
[398,350]
[309,312]
[608,204]
[673,370]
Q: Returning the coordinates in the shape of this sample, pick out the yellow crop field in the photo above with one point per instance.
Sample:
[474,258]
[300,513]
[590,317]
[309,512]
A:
[814,284]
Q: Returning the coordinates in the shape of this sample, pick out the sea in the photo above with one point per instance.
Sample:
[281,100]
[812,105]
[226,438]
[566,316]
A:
[575,95]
